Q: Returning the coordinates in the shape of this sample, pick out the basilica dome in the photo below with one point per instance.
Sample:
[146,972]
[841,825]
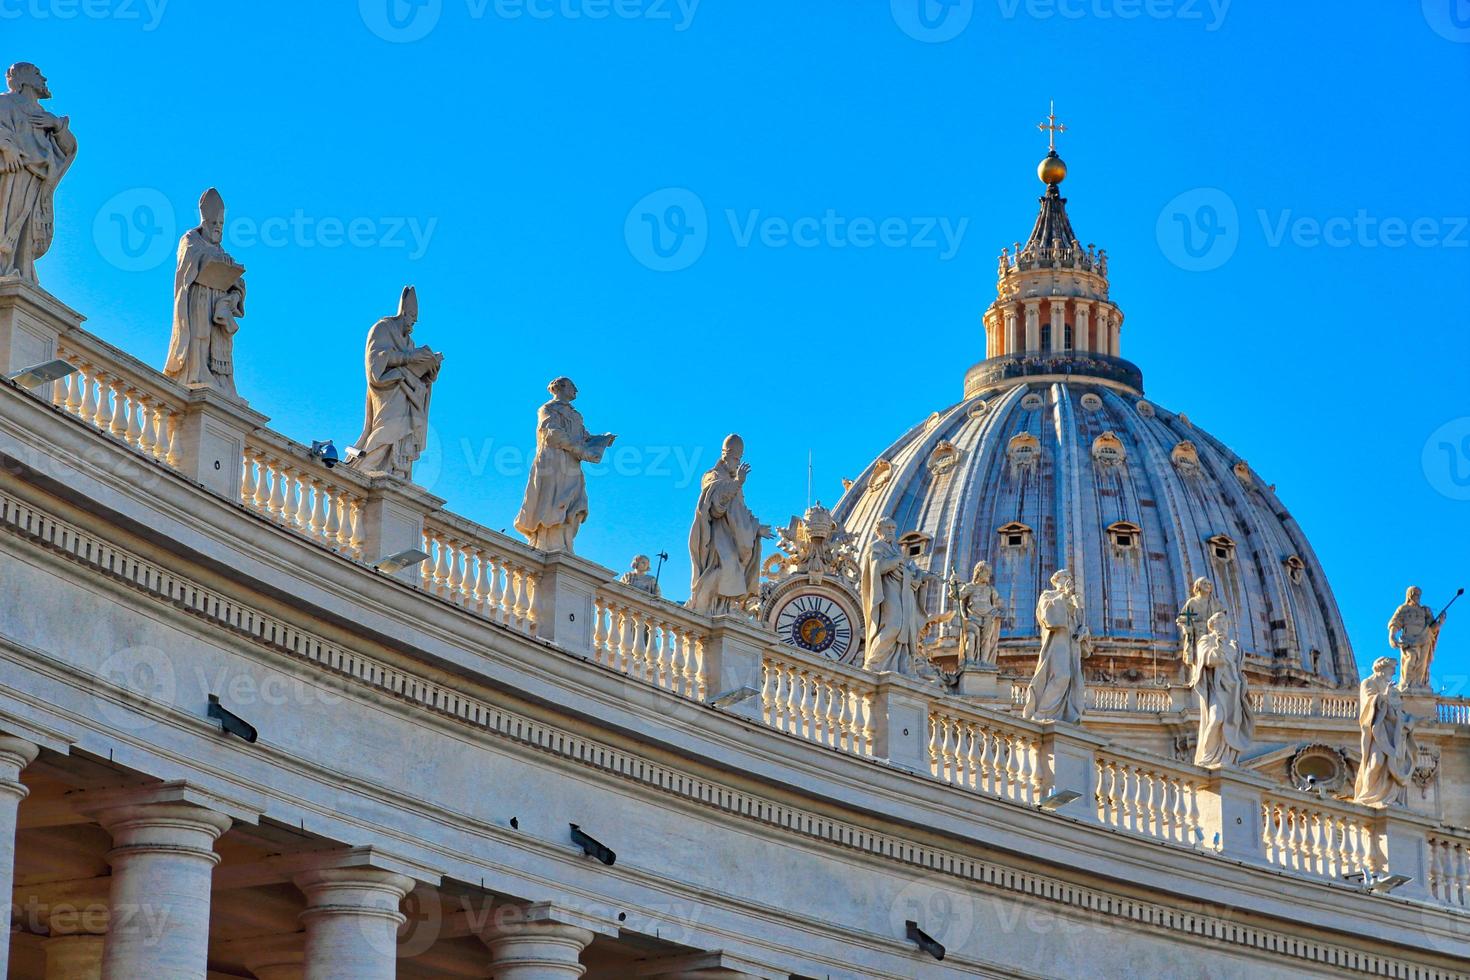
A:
[1053,458]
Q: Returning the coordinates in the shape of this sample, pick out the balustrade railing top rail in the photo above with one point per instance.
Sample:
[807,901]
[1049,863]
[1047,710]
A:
[818,699]
[120,395]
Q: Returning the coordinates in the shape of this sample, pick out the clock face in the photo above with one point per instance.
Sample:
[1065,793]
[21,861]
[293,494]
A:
[817,624]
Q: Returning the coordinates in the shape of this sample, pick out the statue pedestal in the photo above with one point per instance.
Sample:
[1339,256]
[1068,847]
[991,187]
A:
[31,321]
[211,440]
[393,520]
[1422,704]
[983,682]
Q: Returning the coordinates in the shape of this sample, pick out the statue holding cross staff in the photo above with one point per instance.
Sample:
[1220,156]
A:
[1194,618]
[1414,632]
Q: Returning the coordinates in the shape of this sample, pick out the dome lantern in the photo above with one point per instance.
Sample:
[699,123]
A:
[1052,313]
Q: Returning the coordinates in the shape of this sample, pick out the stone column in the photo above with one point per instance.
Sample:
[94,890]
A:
[1058,323]
[1033,325]
[15,755]
[541,942]
[75,914]
[352,921]
[1013,331]
[162,860]
[1080,334]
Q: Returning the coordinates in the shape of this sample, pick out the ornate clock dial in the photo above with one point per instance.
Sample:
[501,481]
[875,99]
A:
[817,624]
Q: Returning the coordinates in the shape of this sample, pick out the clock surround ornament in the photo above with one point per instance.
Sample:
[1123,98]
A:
[810,596]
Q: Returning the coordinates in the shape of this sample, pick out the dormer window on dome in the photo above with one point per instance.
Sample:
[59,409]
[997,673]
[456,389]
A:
[1221,547]
[944,457]
[1107,449]
[1124,535]
[914,544]
[1295,569]
[1185,457]
[1015,536]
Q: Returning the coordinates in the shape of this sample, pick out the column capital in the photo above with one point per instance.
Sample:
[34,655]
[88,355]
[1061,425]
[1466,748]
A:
[360,891]
[541,941]
[15,755]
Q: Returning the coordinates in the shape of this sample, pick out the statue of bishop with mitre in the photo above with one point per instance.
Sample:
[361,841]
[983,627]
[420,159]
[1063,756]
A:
[209,294]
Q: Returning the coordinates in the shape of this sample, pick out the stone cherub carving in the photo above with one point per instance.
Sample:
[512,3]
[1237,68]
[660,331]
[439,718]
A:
[1193,620]
[1226,721]
[209,295]
[894,592]
[36,148]
[724,540]
[400,378]
[1386,741]
[555,504]
[1056,689]
[980,611]
[638,576]
[1414,632]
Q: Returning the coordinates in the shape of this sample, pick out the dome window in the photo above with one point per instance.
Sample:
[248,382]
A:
[931,421]
[1015,536]
[1242,472]
[1125,536]
[1023,450]
[944,457]
[1107,449]
[882,472]
[1031,402]
[1222,548]
[1146,409]
[1091,402]
[1296,569]
[914,544]
[1185,457]
[978,409]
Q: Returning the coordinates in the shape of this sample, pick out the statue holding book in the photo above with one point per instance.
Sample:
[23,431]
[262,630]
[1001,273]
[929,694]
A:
[400,379]
[209,297]
[36,148]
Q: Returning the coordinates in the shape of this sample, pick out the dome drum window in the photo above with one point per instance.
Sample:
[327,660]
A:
[1023,451]
[1091,402]
[1015,536]
[1031,401]
[1185,457]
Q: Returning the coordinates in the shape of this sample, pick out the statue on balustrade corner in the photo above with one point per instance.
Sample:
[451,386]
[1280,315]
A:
[638,576]
[400,378]
[1056,689]
[724,541]
[1387,741]
[1414,632]
[36,148]
[981,611]
[894,591]
[1194,618]
[555,504]
[209,295]
[1226,722]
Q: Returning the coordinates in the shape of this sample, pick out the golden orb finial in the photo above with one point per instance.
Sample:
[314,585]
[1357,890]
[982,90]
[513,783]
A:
[1052,170]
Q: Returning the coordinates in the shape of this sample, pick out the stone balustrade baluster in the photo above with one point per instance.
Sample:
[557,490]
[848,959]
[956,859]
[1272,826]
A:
[117,425]
[147,416]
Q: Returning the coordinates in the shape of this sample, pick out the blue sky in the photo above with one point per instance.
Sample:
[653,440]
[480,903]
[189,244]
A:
[495,155]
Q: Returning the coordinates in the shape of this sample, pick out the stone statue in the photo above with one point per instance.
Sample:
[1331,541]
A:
[555,504]
[1057,688]
[1194,618]
[209,294]
[1387,742]
[36,148]
[1414,632]
[724,541]
[638,576]
[400,377]
[1226,722]
[980,612]
[893,590]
